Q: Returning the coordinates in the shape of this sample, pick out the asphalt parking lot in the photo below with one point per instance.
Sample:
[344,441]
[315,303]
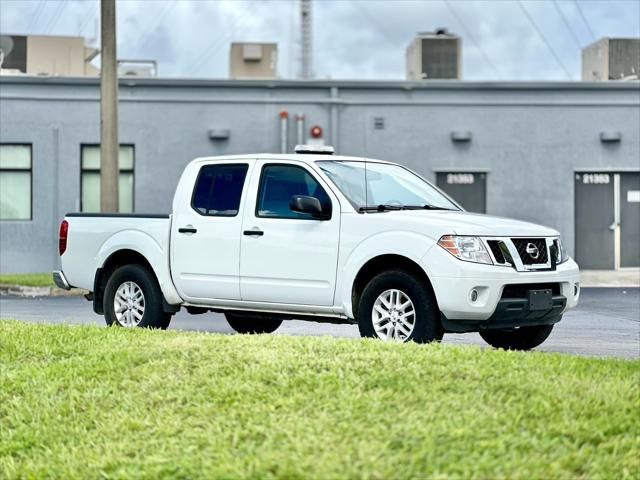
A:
[605,323]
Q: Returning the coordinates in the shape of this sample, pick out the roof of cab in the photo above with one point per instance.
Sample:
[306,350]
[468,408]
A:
[300,157]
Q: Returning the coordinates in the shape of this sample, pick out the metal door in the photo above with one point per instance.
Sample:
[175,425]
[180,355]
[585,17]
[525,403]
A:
[630,219]
[205,232]
[287,257]
[595,219]
[469,189]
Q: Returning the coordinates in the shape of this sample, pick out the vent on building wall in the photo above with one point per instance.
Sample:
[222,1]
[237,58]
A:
[219,133]
[378,123]
[610,137]
[461,136]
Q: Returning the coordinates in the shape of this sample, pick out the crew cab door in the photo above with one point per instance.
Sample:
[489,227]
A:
[288,257]
[206,230]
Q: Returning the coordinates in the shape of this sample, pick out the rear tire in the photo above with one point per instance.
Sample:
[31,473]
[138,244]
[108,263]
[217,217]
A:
[252,324]
[523,338]
[396,305]
[132,298]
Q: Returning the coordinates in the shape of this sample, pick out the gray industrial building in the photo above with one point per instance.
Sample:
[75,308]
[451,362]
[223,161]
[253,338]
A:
[561,154]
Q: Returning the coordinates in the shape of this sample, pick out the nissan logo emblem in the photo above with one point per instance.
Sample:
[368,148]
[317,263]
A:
[532,251]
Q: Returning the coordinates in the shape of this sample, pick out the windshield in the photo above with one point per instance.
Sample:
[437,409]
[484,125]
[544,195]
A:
[388,186]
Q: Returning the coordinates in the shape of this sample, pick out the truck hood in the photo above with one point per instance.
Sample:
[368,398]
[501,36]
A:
[465,223]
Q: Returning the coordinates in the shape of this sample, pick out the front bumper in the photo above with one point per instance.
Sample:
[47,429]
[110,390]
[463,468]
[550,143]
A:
[454,281]
[60,280]
[510,313]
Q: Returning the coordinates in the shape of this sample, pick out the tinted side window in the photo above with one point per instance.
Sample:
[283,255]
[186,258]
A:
[218,190]
[279,183]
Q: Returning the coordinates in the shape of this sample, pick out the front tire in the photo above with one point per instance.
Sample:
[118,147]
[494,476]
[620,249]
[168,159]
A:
[132,298]
[396,305]
[252,324]
[523,338]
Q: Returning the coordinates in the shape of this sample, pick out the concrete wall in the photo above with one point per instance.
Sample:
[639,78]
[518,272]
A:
[529,137]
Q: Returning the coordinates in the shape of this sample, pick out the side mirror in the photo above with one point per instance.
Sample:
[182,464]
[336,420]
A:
[310,205]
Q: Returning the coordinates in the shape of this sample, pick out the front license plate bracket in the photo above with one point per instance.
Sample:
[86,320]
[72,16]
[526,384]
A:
[540,299]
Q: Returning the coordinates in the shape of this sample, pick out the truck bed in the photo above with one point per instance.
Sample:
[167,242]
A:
[118,215]
[93,237]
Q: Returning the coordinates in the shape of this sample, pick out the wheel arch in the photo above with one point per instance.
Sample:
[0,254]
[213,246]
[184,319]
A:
[115,260]
[383,263]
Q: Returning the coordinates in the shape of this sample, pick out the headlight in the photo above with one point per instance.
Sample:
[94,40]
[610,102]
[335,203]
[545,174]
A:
[559,251]
[469,249]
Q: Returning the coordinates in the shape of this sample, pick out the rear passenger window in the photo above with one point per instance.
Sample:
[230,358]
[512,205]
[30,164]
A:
[218,190]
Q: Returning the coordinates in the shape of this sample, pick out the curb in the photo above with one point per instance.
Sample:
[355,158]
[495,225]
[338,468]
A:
[607,279]
[32,292]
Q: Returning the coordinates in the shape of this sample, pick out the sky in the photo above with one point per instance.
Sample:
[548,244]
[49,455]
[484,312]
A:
[353,39]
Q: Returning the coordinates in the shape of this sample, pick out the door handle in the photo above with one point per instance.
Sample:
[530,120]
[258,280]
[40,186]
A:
[187,229]
[256,232]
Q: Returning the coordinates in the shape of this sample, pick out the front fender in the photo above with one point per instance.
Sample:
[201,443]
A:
[157,255]
[404,243]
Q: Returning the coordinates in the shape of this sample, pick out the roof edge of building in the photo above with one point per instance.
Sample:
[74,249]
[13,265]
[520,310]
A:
[343,83]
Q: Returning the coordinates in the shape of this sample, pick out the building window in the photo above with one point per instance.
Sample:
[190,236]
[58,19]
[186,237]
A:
[90,181]
[15,182]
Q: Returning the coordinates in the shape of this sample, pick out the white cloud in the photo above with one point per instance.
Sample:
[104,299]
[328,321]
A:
[362,39]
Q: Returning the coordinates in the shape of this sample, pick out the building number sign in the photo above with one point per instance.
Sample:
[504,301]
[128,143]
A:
[460,178]
[596,178]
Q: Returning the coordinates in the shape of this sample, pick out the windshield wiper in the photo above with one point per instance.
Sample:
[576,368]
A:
[388,207]
[425,207]
[380,208]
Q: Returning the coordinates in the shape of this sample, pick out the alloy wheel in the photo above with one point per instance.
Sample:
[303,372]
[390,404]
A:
[393,316]
[128,304]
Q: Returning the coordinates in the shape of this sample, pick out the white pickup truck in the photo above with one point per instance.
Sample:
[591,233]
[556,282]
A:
[264,238]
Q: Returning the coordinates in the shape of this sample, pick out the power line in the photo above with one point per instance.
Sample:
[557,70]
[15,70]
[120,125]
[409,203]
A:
[36,15]
[382,28]
[544,39]
[567,24]
[214,47]
[217,42]
[56,16]
[89,18]
[584,19]
[473,40]
[156,23]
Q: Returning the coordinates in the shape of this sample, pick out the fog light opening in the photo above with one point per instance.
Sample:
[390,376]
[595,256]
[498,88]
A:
[473,295]
[576,289]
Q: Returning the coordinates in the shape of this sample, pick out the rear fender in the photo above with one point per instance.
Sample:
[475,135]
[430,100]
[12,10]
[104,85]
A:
[156,254]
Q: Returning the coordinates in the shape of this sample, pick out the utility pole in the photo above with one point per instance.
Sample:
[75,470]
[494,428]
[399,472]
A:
[108,109]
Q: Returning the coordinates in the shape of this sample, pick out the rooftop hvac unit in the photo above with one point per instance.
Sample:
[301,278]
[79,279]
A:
[137,68]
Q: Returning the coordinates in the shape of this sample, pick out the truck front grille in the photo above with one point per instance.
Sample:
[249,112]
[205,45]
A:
[494,245]
[500,252]
[532,251]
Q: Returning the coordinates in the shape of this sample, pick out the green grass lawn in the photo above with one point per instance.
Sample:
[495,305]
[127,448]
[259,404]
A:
[27,279]
[89,402]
